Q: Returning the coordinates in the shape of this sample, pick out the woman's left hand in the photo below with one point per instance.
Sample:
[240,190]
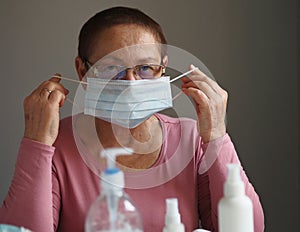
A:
[210,102]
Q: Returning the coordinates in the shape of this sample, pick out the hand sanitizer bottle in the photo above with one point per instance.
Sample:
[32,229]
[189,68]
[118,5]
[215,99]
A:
[172,218]
[113,210]
[235,209]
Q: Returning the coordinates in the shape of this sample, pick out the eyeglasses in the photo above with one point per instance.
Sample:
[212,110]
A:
[118,72]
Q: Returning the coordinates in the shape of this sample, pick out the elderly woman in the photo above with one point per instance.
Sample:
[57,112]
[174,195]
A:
[53,187]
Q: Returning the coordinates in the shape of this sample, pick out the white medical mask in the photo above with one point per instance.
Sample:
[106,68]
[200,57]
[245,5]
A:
[126,103]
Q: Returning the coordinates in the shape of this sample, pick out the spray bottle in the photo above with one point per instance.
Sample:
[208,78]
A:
[173,218]
[113,210]
[235,209]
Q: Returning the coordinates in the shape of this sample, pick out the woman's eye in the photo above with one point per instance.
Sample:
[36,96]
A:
[145,68]
[110,68]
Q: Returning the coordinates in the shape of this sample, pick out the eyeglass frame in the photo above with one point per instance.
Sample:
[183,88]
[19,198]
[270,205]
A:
[88,65]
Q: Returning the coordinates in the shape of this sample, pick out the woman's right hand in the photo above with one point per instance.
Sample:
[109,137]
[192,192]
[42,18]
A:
[41,109]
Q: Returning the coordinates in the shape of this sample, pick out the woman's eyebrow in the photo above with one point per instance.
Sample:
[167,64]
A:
[111,59]
[120,61]
[148,60]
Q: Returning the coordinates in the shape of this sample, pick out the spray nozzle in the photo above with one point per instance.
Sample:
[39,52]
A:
[172,214]
[111,153]
[172,217]
[234,184]
[233,173]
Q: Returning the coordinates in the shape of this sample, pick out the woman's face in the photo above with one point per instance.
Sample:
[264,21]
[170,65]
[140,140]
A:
[126,45]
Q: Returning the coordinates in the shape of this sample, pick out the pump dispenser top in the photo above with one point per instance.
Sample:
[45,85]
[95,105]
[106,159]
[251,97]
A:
[112,153]
[110,211]
[112,176]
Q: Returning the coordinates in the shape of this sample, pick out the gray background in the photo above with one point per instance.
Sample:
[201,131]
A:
[251,47]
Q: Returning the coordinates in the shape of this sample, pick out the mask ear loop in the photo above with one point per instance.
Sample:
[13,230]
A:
[73,103]
[176,96]
[180,76]
[70,79]
[83,82]
[183,74]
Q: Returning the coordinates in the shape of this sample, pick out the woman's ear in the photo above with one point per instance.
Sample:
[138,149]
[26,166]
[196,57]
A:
[165,61]
[80,67]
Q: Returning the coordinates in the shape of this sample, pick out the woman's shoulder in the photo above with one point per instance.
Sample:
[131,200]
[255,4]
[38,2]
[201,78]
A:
[179,121]
[66,122]
[184,128]
[65,131]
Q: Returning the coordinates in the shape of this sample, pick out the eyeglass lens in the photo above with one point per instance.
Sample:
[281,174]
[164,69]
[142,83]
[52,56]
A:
[144,71]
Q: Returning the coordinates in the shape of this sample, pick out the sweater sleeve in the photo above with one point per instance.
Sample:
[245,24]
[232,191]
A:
[213,173]
[29,202]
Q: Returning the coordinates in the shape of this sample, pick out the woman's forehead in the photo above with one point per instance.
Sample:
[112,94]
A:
[132,55]
[125,42]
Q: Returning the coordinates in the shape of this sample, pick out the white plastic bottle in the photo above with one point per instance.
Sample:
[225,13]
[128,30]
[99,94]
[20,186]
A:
[235,209]
[173,218]
[113,210]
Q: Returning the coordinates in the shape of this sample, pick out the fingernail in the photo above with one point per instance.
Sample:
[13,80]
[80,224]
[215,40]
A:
[192,66]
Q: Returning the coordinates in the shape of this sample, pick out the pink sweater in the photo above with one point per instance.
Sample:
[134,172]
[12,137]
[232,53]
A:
[52,188]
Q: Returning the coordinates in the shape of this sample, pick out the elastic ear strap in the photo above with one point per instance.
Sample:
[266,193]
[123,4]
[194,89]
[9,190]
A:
[84,82]
[70,79]
[176,96]
[183,74]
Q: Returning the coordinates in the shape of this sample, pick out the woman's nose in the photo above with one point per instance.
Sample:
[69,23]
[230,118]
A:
[130,75]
